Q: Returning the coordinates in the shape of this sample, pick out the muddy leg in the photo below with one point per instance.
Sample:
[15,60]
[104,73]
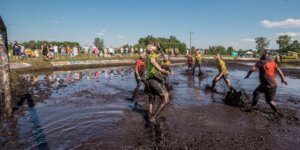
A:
[269,96]
[165,99]
[194,69]
[273,106]
[150,107]
[136,90]
[199,66]
[227,82]
[214,82]
[256,93]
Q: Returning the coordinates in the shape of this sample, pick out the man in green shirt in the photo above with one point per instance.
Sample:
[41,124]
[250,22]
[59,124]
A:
[223,73]
[155,82]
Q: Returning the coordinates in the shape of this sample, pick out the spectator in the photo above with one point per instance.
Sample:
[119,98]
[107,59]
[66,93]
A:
[28,53]
[96,50]
[22,49]
[75,51]
[16,50]
[86,49]
[105,52]
[55,48]
[36,54]
[68,50]
[62,50]
[122,50]
[44,48]
[51,48]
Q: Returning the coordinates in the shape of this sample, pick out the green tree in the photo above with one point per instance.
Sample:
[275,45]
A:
[229,50]
[284,42]
[165,43]
[261,43]
[295,46]
[99,43]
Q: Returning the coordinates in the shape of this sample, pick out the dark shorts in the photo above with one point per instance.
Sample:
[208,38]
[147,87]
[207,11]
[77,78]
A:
[45,54]
[16,52]
[269,92]
[155,87]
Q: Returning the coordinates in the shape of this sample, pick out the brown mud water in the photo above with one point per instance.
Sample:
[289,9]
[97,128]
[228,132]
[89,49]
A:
[89,109]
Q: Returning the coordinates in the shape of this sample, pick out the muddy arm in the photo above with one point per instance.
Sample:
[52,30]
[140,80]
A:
[154,63]
[254,68]
[281,76]
[137,72]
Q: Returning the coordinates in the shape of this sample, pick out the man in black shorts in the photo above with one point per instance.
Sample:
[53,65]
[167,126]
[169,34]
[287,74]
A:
[267,69]
[155,82]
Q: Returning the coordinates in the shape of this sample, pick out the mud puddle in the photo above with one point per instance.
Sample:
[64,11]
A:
[89,109]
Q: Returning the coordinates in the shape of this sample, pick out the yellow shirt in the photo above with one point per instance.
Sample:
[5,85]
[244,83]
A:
[222,67]
[28,51]
[198,58]
[166,65]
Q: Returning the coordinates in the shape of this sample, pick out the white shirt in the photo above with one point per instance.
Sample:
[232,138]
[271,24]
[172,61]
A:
[55,49]
[36,53]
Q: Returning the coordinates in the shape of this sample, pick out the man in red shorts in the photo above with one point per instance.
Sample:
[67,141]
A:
[267,69]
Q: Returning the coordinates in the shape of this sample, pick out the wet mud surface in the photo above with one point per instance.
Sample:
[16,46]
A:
[91,109]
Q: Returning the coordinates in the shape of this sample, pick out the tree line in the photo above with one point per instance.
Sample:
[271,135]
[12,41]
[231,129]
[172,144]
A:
[284,42]
[165,43]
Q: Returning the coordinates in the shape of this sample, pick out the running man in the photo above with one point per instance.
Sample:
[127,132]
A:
[155,84]
[223,73]
[140,68]
[267,76]
[198,60]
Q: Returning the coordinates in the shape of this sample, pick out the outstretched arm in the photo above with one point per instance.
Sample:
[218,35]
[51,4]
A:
[281,76]
[254,68]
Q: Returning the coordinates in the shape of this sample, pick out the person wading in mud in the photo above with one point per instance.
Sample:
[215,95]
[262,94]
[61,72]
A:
[190,63]
[198,60]
[223,73]
[140,68]
[155,84]
[267,70]
[166,65]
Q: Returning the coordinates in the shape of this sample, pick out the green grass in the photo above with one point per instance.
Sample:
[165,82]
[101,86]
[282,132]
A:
[40,63]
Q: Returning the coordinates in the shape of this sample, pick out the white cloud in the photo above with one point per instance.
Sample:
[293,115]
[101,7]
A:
[291,34]
[103,30]
[120,36]
[248,40]
[289,22]
[54,21]
[100,34]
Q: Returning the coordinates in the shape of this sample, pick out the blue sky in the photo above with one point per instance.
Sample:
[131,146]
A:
[213,22]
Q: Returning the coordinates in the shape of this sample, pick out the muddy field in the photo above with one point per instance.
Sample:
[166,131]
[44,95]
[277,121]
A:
[91,109]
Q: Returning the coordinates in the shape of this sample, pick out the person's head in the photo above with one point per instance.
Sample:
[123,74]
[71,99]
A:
[151,48]
[142,55]
[265,54]
[218,56]
[165,57]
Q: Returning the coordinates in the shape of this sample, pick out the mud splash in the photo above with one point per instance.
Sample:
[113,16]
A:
[89,109]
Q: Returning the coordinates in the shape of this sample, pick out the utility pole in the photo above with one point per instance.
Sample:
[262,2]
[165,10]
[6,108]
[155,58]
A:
[6,69]
[190,41]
